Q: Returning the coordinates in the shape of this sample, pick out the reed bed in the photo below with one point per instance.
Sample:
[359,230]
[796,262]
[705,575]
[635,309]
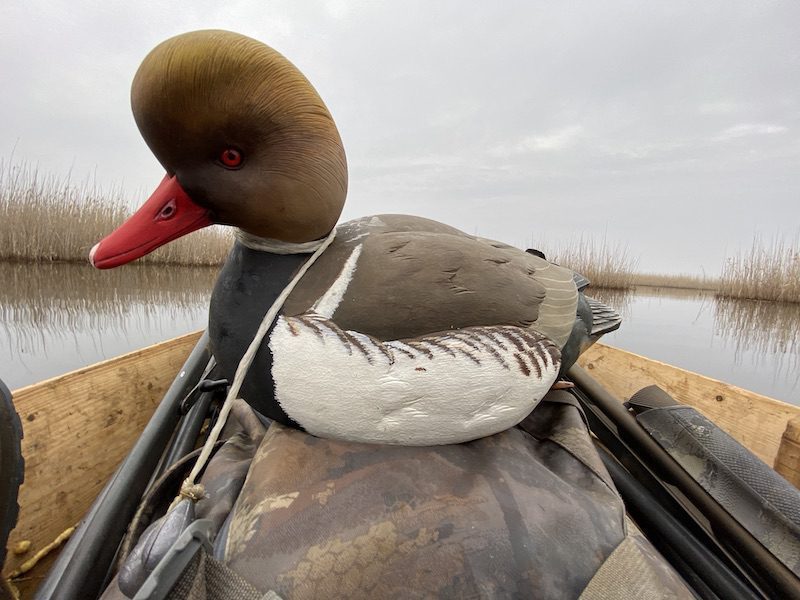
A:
[49,219]
[681,281]
[768,271]
[604,264]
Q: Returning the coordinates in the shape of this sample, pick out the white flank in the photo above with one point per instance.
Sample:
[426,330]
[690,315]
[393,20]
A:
[445,389]
[330,301]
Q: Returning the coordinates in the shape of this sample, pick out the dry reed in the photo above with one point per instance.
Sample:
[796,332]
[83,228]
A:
[769,271]
[682,281]
[605,265]
[48,219]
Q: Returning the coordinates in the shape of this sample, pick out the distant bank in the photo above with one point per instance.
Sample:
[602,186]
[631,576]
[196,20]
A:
[47,219]
[769,270]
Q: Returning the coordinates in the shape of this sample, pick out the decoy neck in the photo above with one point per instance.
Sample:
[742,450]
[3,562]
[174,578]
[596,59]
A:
[245,140]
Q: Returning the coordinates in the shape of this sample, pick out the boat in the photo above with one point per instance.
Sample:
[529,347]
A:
[80,427]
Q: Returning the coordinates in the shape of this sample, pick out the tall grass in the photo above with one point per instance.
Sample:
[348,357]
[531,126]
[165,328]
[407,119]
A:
[768,271]
[45,219]
[680,281]
[604,264]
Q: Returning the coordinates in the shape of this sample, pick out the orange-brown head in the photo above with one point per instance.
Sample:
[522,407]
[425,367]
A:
[245,140]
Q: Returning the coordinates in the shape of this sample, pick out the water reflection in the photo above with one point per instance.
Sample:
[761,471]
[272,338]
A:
[55,318]
[622,300]
[58,317]
[770,330]
[753,344]
[619,300]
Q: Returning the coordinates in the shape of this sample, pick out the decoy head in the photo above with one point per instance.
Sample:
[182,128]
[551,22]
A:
[245,140]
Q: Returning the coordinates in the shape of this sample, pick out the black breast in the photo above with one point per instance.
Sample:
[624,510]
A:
[248,284]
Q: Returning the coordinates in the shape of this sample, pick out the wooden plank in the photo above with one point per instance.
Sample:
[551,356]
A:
[787,462]
[78,427]
[756,421]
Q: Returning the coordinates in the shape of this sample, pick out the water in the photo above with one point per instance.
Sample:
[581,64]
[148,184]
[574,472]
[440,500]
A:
[56,318]
[59,317]
[752,344]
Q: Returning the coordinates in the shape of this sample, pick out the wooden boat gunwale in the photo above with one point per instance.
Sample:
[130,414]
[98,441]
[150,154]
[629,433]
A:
[769,428]
[78,428]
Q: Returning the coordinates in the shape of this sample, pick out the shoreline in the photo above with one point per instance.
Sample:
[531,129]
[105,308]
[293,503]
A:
[636,280]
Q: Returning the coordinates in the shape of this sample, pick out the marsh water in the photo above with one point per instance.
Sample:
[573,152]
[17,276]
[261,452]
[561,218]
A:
[59,317]
[749,343]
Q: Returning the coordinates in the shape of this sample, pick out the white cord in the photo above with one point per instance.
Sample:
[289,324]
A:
[276,246]
[189,488]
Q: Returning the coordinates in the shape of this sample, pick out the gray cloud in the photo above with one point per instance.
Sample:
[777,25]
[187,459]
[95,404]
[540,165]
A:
[669,127]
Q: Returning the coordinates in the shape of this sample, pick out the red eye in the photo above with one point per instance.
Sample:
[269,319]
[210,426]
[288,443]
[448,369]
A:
[231,158]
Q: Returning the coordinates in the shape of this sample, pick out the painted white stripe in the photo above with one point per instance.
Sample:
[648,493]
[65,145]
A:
[331,299]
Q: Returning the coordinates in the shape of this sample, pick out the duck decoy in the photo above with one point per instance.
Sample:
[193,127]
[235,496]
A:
[405,330]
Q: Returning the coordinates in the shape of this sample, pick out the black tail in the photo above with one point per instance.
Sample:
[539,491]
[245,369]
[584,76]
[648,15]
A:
[604,318]
[592,320]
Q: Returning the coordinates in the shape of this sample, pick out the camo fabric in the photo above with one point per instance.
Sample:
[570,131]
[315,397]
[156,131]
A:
[523,513]
[223,477]
[635,571]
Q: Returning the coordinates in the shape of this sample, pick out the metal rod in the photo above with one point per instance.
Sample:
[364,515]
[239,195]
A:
[653,518]
[179,436]
[776,579]
[81,568]
[186,436]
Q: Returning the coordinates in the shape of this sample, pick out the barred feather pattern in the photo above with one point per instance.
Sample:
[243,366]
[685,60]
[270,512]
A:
[442,388]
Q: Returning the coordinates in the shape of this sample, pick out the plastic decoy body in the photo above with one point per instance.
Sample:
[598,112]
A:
[405,330]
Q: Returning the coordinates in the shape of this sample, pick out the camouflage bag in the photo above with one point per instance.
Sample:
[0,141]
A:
[530,512]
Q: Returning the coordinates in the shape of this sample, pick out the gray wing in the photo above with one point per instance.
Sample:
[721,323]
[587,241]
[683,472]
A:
[412,283]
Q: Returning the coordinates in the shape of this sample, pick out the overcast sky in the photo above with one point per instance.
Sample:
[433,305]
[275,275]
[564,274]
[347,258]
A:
[672,128]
